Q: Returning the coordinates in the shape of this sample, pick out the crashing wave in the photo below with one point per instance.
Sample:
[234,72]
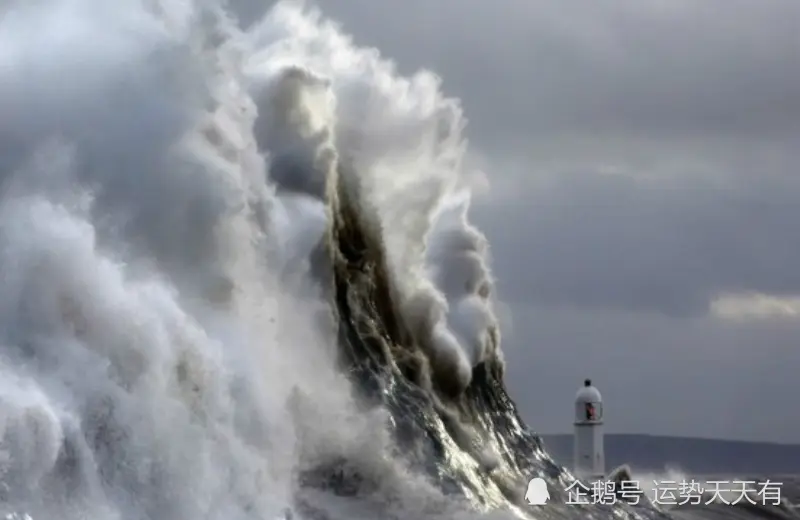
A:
[238,277]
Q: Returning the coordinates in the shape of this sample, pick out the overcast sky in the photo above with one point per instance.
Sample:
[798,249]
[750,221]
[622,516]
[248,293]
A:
[644,204]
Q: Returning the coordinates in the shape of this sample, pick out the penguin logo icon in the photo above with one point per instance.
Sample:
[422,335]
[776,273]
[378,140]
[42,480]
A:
[537,493]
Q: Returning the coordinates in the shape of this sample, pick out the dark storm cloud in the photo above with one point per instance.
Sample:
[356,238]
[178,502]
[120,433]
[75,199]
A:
[669,245]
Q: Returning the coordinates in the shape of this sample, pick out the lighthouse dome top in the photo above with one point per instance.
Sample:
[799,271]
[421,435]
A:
[588,393]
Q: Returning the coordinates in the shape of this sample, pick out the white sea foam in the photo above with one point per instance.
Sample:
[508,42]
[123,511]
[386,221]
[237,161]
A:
[151,334]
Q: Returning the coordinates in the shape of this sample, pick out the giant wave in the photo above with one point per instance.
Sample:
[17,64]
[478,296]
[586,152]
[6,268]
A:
[238,279]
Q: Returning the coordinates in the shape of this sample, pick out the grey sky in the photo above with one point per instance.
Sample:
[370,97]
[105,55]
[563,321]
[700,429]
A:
[642,157]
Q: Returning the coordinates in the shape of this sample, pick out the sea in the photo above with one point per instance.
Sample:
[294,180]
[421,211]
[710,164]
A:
[239,281]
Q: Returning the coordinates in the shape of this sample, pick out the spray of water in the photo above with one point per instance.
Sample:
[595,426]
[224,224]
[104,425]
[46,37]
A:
[163,180]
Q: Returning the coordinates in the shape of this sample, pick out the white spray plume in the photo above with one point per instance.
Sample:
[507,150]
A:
[404,143]
[148,345]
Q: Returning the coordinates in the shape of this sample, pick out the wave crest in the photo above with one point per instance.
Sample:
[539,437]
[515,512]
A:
[238,275]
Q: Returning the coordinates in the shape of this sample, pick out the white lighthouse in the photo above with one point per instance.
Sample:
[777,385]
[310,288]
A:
[589,458]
